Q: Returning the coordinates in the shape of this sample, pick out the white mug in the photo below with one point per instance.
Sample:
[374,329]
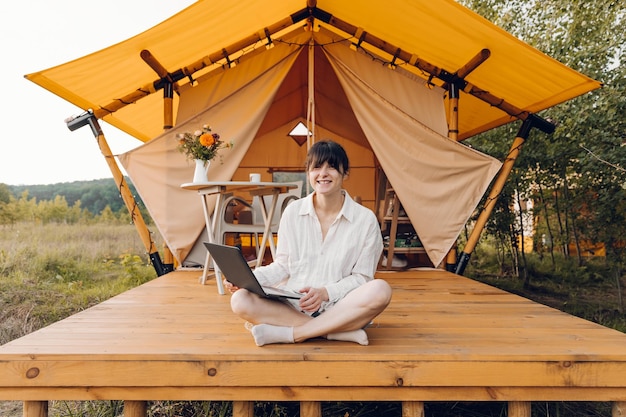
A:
[255,177]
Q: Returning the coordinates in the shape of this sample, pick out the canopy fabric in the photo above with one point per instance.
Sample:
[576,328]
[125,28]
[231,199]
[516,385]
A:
[443,179]
[405,132]
[235,110]
[441,32]
[242,67]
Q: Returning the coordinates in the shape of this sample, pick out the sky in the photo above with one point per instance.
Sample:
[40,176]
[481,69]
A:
[36,147]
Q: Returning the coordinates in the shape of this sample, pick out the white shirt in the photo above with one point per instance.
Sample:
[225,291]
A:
[346,259]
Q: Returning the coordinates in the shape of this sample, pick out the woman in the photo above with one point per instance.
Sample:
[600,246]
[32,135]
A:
[328,249]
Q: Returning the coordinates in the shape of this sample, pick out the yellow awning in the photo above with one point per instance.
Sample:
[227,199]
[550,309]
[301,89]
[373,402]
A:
[441,33]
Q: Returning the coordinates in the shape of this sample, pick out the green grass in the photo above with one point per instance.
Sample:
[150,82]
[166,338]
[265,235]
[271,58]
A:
[48,272]
[591,291]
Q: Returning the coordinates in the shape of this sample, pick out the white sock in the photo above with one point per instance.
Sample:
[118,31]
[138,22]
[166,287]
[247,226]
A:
[265,334]
[357,336]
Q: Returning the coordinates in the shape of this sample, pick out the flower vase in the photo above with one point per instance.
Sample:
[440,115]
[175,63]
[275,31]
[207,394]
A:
[200,173]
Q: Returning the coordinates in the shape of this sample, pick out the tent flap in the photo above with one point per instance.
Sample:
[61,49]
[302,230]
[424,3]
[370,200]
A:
[158,169]
[439,181]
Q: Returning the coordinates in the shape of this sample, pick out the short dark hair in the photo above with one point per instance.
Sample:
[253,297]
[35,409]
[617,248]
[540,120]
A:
[327,151]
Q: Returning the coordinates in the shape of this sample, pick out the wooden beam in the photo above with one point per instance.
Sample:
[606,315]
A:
[470,66]
[169,86]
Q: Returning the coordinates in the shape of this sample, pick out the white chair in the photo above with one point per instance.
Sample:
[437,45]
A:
[250,219]
[281,204]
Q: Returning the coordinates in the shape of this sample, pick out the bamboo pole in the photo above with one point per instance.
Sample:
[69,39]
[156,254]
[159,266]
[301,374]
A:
[129,200]
[169,86]
[453,133]
[168,119]
[453,123]
[496,189]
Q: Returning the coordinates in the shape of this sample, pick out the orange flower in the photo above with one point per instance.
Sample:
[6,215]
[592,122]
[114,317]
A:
[206,139]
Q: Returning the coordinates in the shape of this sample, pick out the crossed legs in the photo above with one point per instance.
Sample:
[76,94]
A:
[278,322]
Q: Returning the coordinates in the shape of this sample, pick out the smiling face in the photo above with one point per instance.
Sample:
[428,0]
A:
[325,179]
[327,165]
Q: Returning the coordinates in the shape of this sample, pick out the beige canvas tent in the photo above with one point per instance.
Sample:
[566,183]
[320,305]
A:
[401,86]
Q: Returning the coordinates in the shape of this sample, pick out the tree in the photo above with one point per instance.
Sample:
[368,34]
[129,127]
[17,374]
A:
[581,165]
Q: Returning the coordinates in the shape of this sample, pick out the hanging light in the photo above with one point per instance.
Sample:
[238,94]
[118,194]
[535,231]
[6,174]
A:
[300,133]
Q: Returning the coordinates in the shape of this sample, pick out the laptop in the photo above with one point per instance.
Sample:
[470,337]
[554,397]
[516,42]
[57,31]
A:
[234,267]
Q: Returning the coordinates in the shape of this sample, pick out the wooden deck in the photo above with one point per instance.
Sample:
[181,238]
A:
[443,338]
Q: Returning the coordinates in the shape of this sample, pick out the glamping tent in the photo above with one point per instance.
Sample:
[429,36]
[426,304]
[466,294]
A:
[401,87]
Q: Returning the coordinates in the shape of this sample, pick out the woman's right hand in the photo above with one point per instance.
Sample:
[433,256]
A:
[229,286]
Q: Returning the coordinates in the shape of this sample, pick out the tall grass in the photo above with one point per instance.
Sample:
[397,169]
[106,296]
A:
[48,272]
[591,291]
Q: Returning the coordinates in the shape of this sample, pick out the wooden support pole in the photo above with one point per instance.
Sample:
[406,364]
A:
[129,200]
[519,409]
[243,408]
[492,198]
[618,409]
[35,409]
[412,409]
[496,189]
[169,86]
[135,408]
[453,133]
[310,409]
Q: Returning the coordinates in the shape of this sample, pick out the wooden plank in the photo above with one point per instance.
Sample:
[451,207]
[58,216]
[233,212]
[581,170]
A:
[310,372]
[172,338]
[294,393]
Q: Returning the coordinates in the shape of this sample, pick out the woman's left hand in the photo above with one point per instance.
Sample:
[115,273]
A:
[313,298]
